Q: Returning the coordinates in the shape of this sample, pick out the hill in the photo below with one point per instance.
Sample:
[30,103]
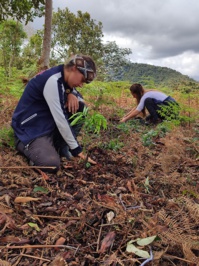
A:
[154,75]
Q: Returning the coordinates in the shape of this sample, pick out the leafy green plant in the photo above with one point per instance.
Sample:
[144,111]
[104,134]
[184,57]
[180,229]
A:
[124,127]
[95,123]
[92,122]
[170,112]
[159,131]
[79,117]
[147,139]
[114,144]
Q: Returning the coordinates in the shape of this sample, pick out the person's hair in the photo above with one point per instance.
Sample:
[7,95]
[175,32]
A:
[70,62]
[138,90]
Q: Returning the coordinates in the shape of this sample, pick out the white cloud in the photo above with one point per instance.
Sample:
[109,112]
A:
[163,33]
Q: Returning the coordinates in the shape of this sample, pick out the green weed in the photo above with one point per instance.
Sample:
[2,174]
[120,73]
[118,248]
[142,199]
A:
[7,137]
[114,144]
[159,131]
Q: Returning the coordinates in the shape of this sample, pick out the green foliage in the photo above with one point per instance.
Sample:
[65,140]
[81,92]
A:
[170,112]
[40,189]
[12,35]
[95,123]
[114,144]
[13,86]
[104,92]
[132,125]
[22,10]
[159,131]
[7,137]
[92,122]
[79,117]
[73,34]
[31,51]
[154,76]
[124,127]
[114,61]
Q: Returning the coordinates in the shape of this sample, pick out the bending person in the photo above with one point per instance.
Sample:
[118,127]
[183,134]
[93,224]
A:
[41,118]
[152,100]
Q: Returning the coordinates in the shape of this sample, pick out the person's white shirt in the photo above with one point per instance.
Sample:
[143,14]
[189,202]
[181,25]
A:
[160,96]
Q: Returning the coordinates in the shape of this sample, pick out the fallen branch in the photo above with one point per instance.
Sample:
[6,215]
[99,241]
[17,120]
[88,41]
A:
[37,246]
[56,217]
[177,258]
[34,257]
[27,167]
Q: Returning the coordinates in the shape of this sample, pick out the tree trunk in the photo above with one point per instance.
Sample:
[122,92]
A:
[43,62]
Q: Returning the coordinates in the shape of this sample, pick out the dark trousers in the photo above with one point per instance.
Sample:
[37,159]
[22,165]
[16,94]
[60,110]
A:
[154,106]
[46,150]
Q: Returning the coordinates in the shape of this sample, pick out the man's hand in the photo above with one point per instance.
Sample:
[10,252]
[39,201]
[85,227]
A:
[72,103]
[83,156]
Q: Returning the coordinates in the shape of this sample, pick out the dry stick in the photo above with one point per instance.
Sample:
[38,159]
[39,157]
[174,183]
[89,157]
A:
[37,246]
[56,217]
[20,257]
[111,224]
[175,257]
[99,235]
[27,167]
[34,257]
[42,253]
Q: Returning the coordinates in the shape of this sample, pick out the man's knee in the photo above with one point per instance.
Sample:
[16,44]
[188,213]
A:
[52,161]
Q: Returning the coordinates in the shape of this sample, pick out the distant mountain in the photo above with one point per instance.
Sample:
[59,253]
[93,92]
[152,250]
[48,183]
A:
[154,75]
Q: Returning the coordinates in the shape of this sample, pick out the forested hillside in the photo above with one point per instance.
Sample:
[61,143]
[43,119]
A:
[154,75]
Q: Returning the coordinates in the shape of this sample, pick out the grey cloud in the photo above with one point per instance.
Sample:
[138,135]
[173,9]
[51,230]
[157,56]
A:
[162,29]
[168,27]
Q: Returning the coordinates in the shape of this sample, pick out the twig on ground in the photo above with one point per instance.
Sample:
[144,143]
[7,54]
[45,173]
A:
[99,235]
[37,246]
[127,208]
[27,167]
[55,217]
[175,257]
[33,257]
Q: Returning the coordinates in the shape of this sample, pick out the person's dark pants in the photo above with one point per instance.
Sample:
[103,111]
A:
[41,152]
[46,150]
[154,106]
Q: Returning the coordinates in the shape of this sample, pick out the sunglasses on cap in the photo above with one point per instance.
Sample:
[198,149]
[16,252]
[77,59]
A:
[84,68]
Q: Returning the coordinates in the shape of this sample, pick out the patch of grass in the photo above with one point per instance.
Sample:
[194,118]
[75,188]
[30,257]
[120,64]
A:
[159,131]
[114,144]
[7,137]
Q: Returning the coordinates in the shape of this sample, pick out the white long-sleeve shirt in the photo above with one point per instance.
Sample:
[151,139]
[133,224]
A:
[160,96]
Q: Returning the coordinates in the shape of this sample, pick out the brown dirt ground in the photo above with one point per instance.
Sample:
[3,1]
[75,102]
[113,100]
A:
[86,216]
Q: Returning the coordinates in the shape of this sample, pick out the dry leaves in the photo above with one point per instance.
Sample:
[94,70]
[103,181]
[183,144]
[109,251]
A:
[107,242]
[25,199]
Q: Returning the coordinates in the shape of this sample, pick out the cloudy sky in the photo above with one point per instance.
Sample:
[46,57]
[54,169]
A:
[161,33]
